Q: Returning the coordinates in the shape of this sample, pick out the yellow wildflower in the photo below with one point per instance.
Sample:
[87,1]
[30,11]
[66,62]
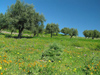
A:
[59,61]
[49,60]
[91,73]
[68,67]
[0,67]
[74,70]
[55,73]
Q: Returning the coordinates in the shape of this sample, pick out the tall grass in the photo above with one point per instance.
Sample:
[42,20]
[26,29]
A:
[78,56]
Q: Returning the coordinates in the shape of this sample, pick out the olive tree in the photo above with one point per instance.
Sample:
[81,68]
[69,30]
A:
[73,32]
[52,28]
[23,16]
[65,30]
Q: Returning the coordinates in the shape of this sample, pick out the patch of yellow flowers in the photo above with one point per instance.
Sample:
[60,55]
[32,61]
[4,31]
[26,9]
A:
[49,60]
[74,70]
[0,68]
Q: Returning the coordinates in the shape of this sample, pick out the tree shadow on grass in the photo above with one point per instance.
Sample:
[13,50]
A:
[63,35]
[16,37]
[2,34]
[54,35]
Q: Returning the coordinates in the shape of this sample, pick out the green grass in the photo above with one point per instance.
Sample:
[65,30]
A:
[79,56]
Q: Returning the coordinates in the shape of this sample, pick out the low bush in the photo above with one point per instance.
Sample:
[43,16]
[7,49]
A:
[53,53]
[77,44]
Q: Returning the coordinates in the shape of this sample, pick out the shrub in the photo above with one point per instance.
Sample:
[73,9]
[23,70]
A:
[77,44]
[53,53]
[98,47]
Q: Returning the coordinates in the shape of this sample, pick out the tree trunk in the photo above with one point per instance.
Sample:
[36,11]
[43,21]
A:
[0,30]
[20,32]
[34,34]
[11,32]
[92,37]
[51,34]
[19,35]
[37,34]
[71,37]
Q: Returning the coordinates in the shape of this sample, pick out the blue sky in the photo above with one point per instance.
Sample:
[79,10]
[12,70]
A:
[79,14]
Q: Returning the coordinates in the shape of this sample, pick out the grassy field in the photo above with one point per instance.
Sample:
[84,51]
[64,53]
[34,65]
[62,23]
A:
[79,56]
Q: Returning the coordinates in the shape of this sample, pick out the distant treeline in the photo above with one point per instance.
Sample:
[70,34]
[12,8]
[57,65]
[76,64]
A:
[21,16]
[91,33]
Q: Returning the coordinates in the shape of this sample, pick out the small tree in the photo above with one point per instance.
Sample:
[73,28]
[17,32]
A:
[52,28]
[34,30]
[85,33]
[12,29]
[38,24]
[73,32]
[65,31]
[91,33]
[98,35]
[95,34]
[57,30]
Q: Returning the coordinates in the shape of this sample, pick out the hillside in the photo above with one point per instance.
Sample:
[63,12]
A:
[79,56]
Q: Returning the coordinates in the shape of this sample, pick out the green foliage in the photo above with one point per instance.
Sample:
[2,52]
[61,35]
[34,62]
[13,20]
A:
[57,30]
[98,47]
[20,57]
[77,44]
[95,47]
[22,16]
[27,31]
[65,30]
[91,66]
[1,45]
[53,53]
[86,33]
[95,34]
[38,26]
[91,33]
[12,29]
[52,28]
[72,32]
[3,21]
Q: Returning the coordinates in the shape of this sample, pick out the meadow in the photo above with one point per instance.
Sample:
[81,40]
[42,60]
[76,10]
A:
[79,56]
